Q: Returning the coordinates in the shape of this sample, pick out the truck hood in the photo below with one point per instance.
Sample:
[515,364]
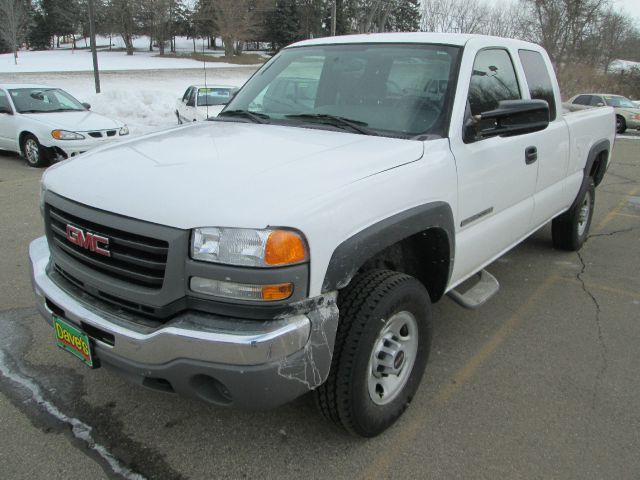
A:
[83,121]
[223,173]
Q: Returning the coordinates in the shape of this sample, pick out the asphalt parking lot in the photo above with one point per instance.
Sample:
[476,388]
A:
[542,382]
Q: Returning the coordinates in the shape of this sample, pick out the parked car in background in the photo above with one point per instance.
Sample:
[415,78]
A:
[627,112]
[46,123]
[200,102]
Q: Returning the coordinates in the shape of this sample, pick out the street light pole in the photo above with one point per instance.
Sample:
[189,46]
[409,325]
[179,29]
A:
[94,53]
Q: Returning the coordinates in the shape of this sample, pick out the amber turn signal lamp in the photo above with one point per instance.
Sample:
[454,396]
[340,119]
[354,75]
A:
[277,292]
[284,247]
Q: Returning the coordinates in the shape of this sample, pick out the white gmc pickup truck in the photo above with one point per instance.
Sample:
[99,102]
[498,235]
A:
[297,242]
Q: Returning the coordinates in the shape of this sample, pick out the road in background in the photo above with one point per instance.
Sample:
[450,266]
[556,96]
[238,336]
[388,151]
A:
[542,382]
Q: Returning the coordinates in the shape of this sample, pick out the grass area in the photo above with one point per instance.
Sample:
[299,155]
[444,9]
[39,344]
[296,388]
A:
[244,59]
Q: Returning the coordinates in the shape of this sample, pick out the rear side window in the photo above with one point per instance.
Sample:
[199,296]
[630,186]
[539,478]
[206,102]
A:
[582,100]
[493,79]
[4,101]
[596,101]
[538,79]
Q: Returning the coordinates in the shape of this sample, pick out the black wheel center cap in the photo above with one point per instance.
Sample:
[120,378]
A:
[399,360]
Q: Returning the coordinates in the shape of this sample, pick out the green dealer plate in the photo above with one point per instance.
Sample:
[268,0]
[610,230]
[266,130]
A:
[73,340]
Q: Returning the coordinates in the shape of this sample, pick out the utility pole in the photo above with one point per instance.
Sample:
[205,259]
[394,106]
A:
[333,18]
[94,53]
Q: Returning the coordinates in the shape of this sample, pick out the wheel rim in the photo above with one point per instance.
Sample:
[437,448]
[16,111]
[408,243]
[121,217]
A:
[392,358]
[31,151]
[618,123]
[583,214]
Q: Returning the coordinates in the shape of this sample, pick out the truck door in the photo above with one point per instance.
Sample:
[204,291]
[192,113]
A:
[552,143]
[496,179]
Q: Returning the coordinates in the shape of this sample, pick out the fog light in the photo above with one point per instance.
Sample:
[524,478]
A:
[241,291]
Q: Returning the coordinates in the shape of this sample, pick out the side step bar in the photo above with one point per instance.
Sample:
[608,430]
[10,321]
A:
[486,287]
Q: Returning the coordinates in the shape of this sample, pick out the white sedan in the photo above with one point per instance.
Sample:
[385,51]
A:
[200,102]
[46,123]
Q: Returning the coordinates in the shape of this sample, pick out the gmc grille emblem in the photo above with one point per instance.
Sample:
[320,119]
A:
[89,241]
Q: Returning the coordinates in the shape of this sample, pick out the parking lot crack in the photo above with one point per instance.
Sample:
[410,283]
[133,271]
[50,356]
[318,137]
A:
[615,232]
[603,346]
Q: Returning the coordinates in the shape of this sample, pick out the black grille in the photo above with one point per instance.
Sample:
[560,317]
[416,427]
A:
[95,134]
[133,258]
[111,133]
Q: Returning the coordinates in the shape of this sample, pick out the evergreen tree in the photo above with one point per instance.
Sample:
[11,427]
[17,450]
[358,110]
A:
[405,16]
[283,24]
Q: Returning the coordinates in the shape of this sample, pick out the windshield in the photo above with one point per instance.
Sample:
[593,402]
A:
[619,102]
[394,90]
[213,96]
[43,100]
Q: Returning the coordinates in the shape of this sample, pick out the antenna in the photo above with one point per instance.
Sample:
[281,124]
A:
[204,67]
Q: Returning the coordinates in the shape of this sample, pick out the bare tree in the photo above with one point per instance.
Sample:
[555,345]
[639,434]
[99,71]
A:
[15,23]
[455,16]
[237,21]
[614,32]
[122,15]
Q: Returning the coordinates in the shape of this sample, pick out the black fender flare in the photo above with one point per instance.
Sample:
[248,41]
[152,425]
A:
[351,254]
[596,149]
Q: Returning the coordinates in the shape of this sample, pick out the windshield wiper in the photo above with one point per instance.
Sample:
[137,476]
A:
[253,116]
[336,121]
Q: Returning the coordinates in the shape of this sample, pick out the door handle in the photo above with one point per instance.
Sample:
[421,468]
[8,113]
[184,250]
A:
[530,155]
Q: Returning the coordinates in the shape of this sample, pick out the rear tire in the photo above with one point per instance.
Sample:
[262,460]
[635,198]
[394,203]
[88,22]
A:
[570,230]
[381,350]
[35,154]
[621,124]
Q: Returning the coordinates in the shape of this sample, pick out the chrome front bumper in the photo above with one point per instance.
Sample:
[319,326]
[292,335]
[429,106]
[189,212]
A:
[296,349]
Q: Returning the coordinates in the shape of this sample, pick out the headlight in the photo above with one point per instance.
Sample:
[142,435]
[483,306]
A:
[124,130]
[248,248]
[66,135]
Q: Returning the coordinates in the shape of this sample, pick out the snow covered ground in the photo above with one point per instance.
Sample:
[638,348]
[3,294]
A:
[68,60]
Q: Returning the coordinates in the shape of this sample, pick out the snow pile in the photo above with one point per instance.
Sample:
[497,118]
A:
[624,65]
[143,110]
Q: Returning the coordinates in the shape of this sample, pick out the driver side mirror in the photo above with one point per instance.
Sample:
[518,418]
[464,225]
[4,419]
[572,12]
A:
[5,109]
[600,104]
[512,117]
[86,105]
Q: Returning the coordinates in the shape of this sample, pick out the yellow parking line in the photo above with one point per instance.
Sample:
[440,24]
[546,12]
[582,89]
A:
[626,215]
[616,210]
[405,436]
[604,288]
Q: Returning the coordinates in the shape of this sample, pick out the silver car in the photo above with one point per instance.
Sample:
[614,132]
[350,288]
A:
[627,112]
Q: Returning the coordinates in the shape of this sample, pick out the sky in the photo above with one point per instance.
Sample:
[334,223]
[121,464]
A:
[631,6]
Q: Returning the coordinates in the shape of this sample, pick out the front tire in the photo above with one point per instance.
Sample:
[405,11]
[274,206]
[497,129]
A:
[570,230]
[381,350]
[34,153]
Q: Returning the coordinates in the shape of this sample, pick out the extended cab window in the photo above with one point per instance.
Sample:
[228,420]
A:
[538,79]
[493,79]
[396,90]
